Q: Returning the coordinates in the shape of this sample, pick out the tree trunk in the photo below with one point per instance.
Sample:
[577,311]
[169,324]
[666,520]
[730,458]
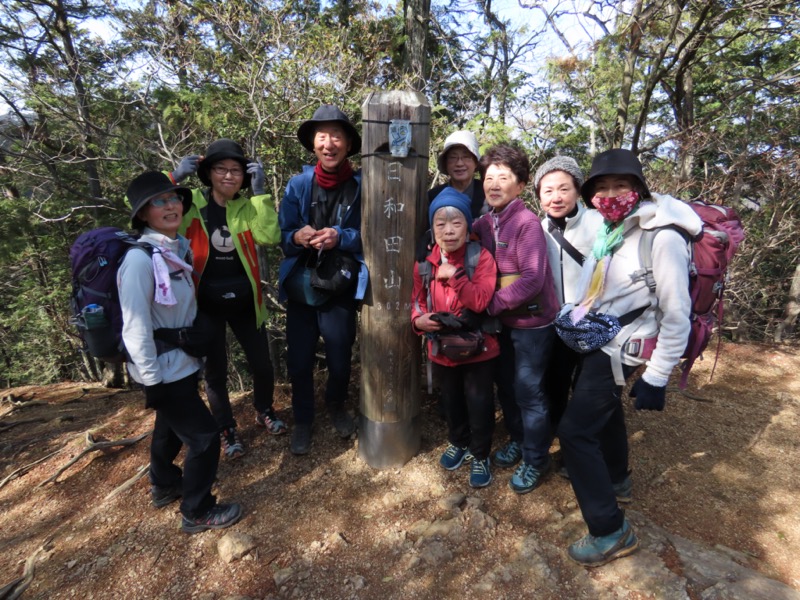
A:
[417,14]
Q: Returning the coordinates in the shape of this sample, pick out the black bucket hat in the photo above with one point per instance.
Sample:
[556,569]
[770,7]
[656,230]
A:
[220,150]
[147,186]
[328,113]
[616,161]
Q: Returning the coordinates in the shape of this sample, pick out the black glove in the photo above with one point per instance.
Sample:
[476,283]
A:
[155,395]
[648,397]
[448,320]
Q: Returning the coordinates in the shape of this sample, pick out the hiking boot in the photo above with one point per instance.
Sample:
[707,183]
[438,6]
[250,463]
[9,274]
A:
[270,422]
[219,517]
[480,474]
[342,422]
[453,457]
[508,455]
[301,438]
[231,444]
[624,490]
[527,478]
[162,496]
[591,551]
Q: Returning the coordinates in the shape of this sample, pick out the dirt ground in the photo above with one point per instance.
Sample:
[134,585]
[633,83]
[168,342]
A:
[718,467]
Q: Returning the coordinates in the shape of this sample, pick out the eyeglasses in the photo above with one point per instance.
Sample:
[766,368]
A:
[235,172]
[163,201]
[455,158]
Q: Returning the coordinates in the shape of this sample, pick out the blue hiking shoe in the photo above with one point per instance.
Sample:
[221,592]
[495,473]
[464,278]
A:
[480,474]
[624,490]
[508,455]
[591,551]
[454,457]
[527,478]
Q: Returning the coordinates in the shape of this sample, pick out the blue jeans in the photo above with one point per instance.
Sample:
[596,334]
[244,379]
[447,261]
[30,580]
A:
[529,351]
[335,321]
[594,442]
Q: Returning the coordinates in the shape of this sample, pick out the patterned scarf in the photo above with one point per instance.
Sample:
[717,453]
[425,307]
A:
[161,271]
[592,281]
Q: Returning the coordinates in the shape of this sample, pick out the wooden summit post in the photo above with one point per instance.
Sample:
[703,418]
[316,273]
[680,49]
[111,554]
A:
[393,217]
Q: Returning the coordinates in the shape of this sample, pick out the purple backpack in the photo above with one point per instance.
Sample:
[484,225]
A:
[95,258]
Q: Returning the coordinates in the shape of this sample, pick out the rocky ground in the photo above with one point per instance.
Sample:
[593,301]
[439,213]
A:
[715,506]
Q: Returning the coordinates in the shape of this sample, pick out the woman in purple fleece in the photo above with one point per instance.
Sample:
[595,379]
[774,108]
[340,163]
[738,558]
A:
[526,303]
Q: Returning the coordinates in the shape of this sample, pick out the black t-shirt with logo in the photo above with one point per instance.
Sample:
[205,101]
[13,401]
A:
[224,270]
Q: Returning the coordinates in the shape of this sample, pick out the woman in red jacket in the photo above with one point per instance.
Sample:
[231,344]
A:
[451,300]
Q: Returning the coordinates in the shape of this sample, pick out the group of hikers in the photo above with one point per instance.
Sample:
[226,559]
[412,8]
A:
[497,295]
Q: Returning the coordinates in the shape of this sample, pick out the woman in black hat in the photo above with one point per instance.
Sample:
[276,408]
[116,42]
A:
[224,228]
[653,310]
[321,212]
[156,291]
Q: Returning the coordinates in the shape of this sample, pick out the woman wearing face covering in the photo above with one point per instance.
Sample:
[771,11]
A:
[592,431]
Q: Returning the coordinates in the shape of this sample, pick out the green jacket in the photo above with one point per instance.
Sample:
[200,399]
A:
[251,221]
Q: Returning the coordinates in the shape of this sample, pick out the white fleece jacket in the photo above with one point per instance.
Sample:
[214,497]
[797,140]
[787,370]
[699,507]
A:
[670,305]
[580,231]
[141,314]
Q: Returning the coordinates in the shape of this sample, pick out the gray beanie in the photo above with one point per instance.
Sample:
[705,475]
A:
[559,163]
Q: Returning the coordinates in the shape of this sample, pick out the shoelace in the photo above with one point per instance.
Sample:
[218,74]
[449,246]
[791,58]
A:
[526,473]
[453,451]
[480,466]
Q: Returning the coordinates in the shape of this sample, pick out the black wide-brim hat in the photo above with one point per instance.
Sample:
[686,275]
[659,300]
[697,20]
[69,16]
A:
[328,113]
[616,161]
[147,186]
[220,150]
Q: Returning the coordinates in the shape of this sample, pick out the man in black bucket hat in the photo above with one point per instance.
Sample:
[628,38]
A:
[320,221]
[224,227]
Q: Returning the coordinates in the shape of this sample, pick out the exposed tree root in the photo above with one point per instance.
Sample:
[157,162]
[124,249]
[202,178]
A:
[22,470]
[129,484]
[15,588]
[7,426]
[94,446]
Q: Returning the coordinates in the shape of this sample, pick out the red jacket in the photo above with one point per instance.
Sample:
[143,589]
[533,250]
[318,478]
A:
[456,294]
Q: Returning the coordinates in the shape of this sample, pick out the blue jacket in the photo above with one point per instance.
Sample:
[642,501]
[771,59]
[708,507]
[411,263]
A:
[294,214]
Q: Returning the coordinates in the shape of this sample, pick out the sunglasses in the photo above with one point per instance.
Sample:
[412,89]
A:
[165,200]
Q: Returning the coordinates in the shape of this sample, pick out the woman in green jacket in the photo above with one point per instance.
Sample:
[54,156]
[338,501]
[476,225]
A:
[224,228]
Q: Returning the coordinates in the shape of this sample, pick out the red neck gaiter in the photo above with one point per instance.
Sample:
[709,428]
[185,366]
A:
[328,181]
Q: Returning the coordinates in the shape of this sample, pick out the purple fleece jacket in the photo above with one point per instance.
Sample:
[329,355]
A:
[516,239]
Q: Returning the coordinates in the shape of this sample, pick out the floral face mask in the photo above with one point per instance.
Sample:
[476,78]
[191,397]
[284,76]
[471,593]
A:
[616,208]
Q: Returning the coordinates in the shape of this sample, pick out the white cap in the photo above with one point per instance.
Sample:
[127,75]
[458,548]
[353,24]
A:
[459,138]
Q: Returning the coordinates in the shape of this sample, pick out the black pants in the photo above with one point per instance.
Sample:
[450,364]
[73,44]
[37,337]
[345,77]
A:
[335,321]
[255,344]
[558,379]
[469,405]
[594,442]
[185,419]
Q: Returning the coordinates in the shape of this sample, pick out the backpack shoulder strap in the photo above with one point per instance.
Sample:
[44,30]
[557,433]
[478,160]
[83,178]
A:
[646,254]
[471,258]
[558,236]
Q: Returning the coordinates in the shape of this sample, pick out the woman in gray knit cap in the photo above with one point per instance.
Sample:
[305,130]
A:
[570,229]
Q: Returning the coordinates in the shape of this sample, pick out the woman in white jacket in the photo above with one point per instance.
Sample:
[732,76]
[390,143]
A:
[156,291]
[570,230]
[592,430]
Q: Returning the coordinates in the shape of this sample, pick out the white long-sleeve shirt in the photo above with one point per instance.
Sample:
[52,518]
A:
[141,314]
